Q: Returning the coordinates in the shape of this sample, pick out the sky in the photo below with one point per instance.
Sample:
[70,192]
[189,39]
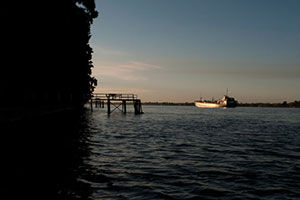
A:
[179,50]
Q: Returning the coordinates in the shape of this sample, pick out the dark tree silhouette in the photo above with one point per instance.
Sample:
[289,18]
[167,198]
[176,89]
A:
[45,52]
[45,66]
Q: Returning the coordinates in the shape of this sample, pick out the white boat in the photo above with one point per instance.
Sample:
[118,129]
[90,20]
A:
[226,101]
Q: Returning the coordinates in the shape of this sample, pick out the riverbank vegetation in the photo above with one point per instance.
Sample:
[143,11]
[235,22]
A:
[46,56]
[295,104]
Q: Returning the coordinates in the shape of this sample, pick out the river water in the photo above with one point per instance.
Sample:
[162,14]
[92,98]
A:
[170,152]
[184,152]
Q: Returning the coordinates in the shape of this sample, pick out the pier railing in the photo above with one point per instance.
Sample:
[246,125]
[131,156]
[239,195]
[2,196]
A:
[114,96]
[116,100]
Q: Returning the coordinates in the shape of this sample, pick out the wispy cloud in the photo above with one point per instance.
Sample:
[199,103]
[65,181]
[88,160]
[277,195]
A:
[129,71]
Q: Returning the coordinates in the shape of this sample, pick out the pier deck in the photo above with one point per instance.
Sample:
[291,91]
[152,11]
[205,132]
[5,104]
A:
[115,101]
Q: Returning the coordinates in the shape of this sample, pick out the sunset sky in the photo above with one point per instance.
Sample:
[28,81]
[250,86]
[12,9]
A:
[177,50]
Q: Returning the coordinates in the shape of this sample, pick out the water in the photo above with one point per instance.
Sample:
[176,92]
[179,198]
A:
[184,152]
[170,152]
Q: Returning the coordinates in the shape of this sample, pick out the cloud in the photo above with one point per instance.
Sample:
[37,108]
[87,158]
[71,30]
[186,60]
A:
[129,71]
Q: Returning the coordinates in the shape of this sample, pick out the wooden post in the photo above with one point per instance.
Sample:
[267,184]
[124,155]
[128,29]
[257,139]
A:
[124,106]
[134,106]
[136,110]
[91,101]
[138,107]
[108,105]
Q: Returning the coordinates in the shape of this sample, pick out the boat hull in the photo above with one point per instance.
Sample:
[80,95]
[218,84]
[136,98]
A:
[208,105]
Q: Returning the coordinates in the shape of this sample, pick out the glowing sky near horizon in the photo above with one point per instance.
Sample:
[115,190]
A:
[175,50]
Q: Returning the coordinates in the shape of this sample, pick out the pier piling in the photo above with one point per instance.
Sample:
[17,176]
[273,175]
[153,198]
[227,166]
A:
[114,101]
[124,106]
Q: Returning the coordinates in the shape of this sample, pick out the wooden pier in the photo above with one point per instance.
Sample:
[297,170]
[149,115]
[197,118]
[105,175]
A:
[115,101]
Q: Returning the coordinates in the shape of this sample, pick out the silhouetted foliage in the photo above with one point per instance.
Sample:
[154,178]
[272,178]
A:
[45,50]
[45,66]
[295,104]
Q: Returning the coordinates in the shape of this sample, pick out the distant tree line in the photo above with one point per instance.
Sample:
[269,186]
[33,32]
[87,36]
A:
[169,103]
[45,52]
[295,104]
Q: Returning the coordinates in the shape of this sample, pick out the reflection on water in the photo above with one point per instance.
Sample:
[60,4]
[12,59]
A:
[43,158]
[169,152]
[191,153]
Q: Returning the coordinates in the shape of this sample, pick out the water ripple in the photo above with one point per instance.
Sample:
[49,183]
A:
[190,153]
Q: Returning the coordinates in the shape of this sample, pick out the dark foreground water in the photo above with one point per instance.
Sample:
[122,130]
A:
[170,152]
[191,153]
